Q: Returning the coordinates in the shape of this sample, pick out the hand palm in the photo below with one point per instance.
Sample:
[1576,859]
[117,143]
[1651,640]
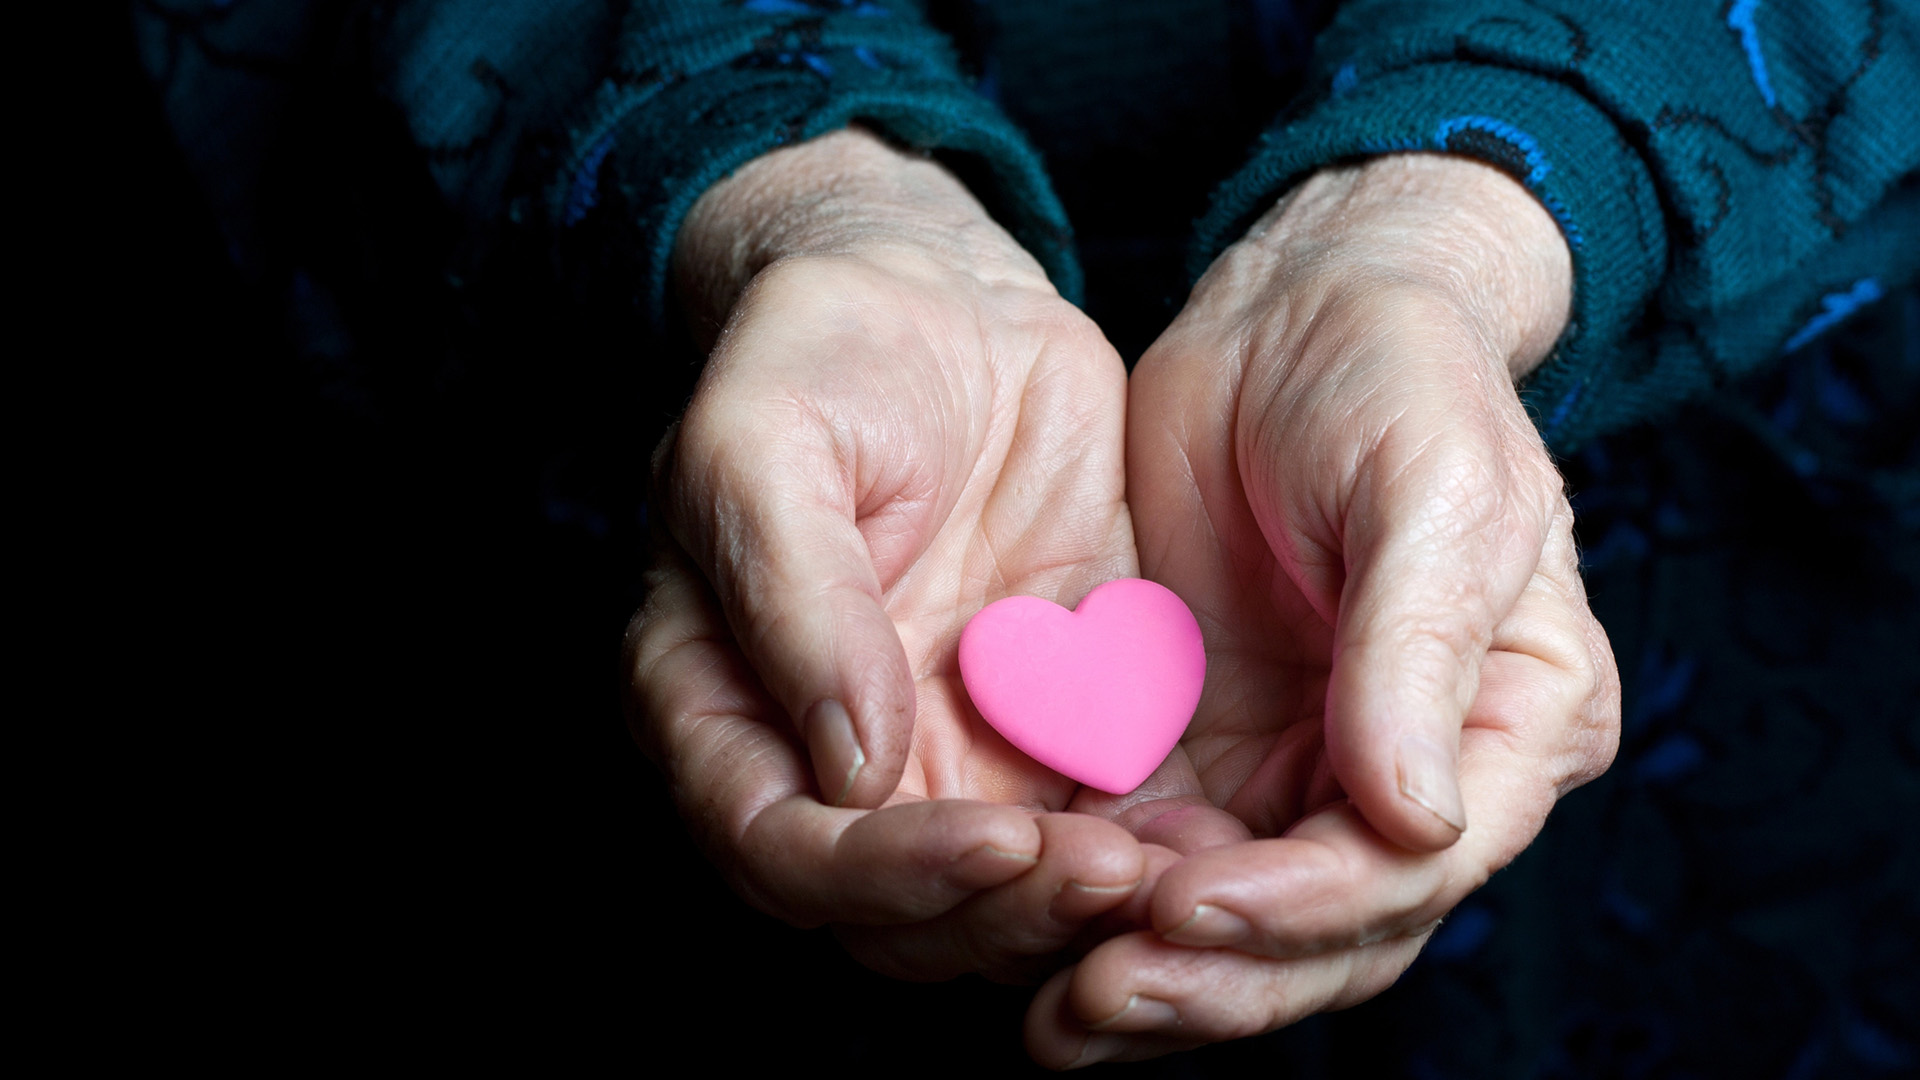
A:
[1014,488]
[1256,741]
[1327,460]
[879,452]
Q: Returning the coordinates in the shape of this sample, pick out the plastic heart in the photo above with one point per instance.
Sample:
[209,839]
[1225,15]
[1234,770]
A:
[1099,694]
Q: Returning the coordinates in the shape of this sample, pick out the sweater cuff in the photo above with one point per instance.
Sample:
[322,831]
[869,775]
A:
[1540,131]
[649,151]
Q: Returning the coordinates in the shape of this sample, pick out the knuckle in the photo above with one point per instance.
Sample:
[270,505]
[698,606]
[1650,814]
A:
[707,431]
[661,627]
[1600,712]
[799,283]
[775,608]
[1244,269]
[1430,653]
[670,695]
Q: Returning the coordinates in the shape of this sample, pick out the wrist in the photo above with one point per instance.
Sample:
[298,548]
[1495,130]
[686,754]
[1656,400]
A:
[1463,231]
[844,194]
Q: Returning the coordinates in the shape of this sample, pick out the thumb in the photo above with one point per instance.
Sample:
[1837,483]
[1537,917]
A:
[769,518]
[1438,547]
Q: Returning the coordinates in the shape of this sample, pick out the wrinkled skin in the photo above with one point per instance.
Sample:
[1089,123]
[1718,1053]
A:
[901,422]
[1328,461]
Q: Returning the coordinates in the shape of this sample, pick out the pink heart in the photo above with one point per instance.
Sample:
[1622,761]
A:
[1099,694]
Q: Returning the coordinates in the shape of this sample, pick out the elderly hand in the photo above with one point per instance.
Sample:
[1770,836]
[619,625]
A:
[901,421]
[1328,461]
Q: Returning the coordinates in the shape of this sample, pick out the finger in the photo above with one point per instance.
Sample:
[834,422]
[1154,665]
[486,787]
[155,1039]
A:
[743,788]
[1168,809]
[1057,1038]
[928,950]
[1553,625]
[1333,883]
[1087,867]
[1539,725]
[900,864]
[1444,532]
[762,501]
[1058,508]
[1138,996]
[1136,912]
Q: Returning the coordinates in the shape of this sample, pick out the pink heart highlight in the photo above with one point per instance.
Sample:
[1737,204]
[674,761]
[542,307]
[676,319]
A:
[1099,694]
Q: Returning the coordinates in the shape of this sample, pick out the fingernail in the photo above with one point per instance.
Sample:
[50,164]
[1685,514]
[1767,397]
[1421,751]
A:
[987,866]
[1096,1049]
[1072,900]
[1210,926]
[1141,1014]
[1427,777]
[836,751]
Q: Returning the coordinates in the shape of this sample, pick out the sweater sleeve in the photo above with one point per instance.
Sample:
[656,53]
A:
[610,120]
[1731,176]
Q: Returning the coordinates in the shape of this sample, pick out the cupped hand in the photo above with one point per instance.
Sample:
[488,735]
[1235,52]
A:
[1328,461]
[900,422]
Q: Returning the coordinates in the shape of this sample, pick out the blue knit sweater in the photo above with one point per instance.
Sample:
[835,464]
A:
[1732,178]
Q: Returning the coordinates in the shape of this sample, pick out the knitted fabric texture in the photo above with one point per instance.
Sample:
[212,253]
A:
[699,89]
[1731,178]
